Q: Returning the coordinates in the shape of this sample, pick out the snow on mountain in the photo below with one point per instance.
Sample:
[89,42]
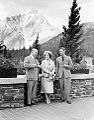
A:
[36,23]
[21,30]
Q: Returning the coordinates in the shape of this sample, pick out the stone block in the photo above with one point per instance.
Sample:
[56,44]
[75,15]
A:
[11,105]
[21,90]
[8,97]
[5,105]
[92,94]
[12,91]
[78,94]
[88,92]
[19,96]
[3,89]
[92,87]
[1,98]
[18,86]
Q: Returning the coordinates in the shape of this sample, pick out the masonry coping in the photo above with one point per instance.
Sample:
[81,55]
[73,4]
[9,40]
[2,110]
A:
[22,78]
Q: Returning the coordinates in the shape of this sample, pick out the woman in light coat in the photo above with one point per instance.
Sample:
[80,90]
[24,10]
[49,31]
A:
[48,70]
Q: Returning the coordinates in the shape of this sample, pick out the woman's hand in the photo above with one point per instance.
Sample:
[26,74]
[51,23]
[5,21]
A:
[51,74]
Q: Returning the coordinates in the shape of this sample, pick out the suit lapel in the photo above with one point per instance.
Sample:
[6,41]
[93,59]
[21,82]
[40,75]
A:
[33,60]
[61,60]
[65,60]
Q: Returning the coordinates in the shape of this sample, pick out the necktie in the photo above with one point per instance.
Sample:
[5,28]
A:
[62,58]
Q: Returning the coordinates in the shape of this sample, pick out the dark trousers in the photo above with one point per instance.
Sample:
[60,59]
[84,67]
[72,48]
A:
[31,90]
[65,87]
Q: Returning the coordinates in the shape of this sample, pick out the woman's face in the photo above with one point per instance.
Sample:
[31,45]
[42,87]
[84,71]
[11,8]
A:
[47,56]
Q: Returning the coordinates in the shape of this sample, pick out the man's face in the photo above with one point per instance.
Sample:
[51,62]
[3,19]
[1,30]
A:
[35,53]
[61,52]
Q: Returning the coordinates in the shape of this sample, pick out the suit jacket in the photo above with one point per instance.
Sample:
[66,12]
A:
[32,70]
[60,69]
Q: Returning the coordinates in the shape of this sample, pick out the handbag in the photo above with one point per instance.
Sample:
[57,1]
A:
[52,77]
[45,75]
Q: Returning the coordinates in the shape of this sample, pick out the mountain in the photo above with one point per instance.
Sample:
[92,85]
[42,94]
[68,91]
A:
[88,44]
[88,35]
[21,30]
[52,44]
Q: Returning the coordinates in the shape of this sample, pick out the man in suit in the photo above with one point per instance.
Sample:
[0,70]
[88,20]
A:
[32,71]
[63,66]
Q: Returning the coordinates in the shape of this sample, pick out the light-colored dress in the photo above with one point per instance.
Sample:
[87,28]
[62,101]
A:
[46,83]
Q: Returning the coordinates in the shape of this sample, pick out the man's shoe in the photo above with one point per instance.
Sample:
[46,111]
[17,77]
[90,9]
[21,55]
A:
[34,102]
[63,100]
[28,105]
[69,102]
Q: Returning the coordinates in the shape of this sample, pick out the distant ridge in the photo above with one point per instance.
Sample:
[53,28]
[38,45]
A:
[88,44]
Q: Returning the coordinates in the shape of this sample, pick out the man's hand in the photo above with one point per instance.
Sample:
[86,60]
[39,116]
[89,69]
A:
[51,74]
[56,77]
[65,65]
[28,66]
[39,66]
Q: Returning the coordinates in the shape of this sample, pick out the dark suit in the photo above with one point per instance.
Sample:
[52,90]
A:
[64,75]
[32,71]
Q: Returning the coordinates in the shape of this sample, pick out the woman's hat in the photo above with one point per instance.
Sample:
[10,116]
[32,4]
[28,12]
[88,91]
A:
[49,52]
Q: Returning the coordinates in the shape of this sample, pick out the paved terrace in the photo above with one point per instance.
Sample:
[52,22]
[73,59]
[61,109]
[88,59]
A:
[80,109]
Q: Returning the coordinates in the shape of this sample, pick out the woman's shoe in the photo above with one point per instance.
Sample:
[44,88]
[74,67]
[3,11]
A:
[69,102]
[48,102]
[29,105]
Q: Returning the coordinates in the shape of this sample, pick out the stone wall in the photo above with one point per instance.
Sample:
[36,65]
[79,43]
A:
[12,95]
[82,88]
[79,88]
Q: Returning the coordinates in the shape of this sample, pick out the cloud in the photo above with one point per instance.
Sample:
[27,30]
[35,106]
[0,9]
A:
[87,12]
[59,11]
[2,11]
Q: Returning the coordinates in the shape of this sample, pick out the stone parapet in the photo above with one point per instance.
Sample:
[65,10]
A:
[13,90]
[12,95]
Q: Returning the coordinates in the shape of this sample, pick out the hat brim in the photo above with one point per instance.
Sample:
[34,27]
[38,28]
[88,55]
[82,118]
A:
[49,52]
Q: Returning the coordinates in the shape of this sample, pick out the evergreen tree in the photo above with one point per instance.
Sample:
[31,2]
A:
[38,47]
[30,48]
[9,55]
[2,48]
[71,35]
[36,43]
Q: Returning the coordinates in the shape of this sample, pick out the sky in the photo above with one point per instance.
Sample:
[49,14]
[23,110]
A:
[55,11]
